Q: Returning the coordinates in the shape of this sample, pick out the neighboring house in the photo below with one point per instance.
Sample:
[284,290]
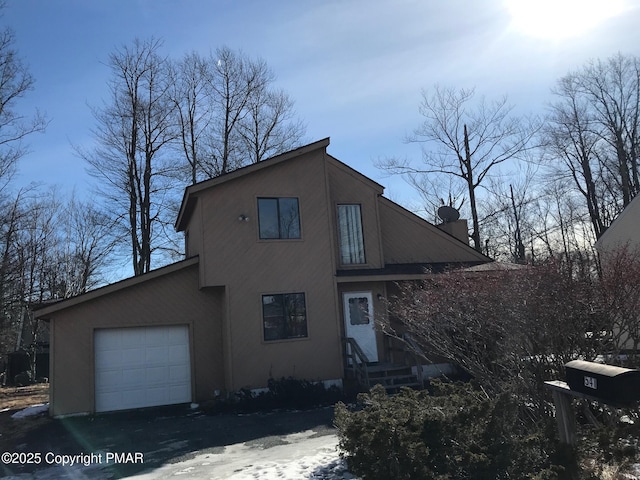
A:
[624,232]
[285,259]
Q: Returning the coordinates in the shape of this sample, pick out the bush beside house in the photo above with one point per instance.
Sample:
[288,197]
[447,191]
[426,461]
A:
[512,331]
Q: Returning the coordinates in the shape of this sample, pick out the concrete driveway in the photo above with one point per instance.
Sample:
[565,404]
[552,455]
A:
[132,443]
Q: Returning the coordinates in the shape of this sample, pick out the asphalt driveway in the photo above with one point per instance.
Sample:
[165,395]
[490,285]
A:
[162,435]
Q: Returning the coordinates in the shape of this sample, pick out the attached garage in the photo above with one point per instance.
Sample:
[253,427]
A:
[151,340]
[141,367]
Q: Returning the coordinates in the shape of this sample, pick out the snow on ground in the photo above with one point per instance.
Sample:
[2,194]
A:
[32,410]
[302,455]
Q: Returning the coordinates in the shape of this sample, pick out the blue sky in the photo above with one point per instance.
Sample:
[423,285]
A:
[354,68]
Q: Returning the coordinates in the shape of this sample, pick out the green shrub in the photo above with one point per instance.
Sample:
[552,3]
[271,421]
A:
[454,432]
[283,393]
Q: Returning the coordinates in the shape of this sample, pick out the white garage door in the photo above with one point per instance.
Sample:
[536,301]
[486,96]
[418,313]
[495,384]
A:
[141,367]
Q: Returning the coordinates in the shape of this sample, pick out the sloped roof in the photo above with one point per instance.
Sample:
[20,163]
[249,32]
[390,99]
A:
[188,199]
[629,219]
[47,309]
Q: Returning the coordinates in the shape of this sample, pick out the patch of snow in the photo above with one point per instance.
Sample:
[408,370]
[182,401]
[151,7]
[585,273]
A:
[300,455]
[626,419]
[78,471]
[303,455]
[32,410]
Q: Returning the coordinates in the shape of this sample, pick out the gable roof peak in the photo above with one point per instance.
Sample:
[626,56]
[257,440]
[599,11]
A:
[187,201]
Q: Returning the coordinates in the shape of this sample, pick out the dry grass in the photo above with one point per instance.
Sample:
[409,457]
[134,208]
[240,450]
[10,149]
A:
[15,398]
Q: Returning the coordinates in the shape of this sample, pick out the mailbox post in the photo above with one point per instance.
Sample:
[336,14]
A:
[606,384]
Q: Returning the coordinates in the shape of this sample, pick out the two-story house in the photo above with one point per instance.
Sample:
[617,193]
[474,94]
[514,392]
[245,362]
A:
[285,259]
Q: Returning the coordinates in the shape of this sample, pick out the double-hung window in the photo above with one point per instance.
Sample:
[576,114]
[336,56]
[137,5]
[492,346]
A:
[278,218]
[284,315]
[350,235]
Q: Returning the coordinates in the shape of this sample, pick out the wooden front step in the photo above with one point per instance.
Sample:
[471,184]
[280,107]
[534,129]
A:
[392,377]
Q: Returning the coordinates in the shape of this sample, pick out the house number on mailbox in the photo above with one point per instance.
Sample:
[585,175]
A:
[591,382]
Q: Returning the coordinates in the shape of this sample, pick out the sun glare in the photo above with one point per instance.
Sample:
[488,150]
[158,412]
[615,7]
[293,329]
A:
[560,19]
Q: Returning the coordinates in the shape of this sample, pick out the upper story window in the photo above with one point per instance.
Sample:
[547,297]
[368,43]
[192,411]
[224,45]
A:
[278,218]
[350,235]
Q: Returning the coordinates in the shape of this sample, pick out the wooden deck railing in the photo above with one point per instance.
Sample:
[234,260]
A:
[358,359]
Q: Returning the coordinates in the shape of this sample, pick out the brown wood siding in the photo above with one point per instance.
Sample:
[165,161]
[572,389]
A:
[407,238]
[172,299]
[194,238]
[349,187]
[249,267]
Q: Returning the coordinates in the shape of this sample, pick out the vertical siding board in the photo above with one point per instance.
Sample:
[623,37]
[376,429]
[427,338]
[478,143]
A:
[249,267]
[407,238]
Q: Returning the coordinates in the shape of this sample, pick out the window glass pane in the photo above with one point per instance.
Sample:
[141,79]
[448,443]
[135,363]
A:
[359,311]
[272,317]
[284,316]
[350,232]
[296,315]
[268,217]
[278,218]
[289,218]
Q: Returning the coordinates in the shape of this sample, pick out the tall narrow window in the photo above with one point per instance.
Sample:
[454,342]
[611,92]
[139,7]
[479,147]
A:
[350,233]
[278,218]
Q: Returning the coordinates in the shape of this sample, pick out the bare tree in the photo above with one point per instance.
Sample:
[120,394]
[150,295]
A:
[590,136]
[15,82]
[269,126]
[515,328]
[52,248]
[508,218]
[87,245]
[612,90]
[134,131]
[573,138]
[234,81]
[194,108]
[228,114]
[469,141]
[251,120]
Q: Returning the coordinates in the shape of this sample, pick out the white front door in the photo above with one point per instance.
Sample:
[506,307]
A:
[359,322]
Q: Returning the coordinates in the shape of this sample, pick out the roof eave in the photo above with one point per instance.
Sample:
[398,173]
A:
[187,202]
[44,312]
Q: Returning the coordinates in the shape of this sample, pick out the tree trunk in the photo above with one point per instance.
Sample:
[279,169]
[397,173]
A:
[468,171]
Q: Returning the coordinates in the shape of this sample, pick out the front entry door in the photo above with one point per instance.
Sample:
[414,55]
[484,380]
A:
[359,322]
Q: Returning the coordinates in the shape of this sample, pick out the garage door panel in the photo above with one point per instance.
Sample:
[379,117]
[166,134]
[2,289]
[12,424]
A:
[175,375]
[175,393]
[103,401]
[106,377]
[158,375]
[133,399]
[142,367]
[131,356]
[157,355]
[108,358]
[179,353]
[132,338]
[133,377]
